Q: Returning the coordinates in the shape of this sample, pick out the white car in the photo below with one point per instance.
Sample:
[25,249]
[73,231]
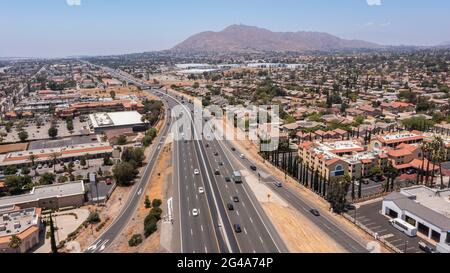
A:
[201,190]
[196,172]
[242,156]
[195,212]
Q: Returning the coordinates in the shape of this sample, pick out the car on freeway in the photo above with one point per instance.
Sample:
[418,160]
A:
[233,149]
[253,168]
[196,172]
[237,228]
[195,212]
[235,199]
[217,172]
[230,206]
[242,156]
[201,190]
[278,184]
[227,179]
[216,154]
[207,145]
[315,212]
[220,163]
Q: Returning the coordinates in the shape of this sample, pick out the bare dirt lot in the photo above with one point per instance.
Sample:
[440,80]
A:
[4,149]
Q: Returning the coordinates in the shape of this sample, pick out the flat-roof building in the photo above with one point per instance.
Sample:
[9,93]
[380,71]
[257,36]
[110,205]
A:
[23,223]
[425,208]
[49,197]
[101,122]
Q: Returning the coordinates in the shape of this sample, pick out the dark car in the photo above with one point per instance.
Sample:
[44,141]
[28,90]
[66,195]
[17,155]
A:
[411,171]
[378,178]
[253,168]
[207,145]
[236,199]
[315,212]
[233,149]
[220,163]
[217,172]
[426,248]
[237,228]
[230,206]
[216,154]
[227,179]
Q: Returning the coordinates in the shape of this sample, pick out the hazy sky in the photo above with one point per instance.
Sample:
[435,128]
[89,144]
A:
[57,28]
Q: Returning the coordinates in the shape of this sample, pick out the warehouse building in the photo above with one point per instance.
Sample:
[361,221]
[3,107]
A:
[101,122]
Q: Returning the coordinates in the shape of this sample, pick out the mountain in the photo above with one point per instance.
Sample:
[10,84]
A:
[243,39]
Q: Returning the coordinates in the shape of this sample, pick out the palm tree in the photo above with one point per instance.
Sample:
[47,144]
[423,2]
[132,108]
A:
[54,157]
[32,158]
[438,155]
[15,243]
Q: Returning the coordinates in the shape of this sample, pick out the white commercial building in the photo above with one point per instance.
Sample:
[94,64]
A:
[100,122]
[425,208]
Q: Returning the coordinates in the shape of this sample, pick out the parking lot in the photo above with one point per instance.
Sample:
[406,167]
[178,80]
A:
[369,215]
[41,132]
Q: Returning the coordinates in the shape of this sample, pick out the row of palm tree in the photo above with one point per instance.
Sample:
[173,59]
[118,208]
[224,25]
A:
[434,154]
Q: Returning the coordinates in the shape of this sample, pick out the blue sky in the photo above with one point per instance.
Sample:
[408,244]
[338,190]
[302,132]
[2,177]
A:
[53,28]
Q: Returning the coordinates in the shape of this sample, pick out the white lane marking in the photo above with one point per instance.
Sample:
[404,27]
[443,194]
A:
[261,240]
[103,246]
[196,196]
[237,212]
[192,232]
[201,227]
[251,220]
[206,249]
[245,231]
[243,204]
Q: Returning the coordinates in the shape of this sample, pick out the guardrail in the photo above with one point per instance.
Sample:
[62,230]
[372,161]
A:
[371,233]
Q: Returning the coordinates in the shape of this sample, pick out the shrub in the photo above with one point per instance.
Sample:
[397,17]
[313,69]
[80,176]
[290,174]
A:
[135,240]
[156,203]
[148,204]
[150,228]
[93,218]
[156,212]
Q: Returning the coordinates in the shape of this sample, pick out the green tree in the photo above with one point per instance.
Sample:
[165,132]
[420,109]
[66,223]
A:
[122,140]
[53,132]
[124,173]
[113,95]
[47,179]
[93,218]
[337,193]
[52,236]
[135,240]
[23,136]
[15,243]
[147,202]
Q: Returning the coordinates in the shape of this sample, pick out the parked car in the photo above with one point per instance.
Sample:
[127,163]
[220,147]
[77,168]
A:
[108,181]
[315,212]
[426,248]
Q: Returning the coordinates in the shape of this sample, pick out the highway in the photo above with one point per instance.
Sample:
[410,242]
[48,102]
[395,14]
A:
[212,230]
